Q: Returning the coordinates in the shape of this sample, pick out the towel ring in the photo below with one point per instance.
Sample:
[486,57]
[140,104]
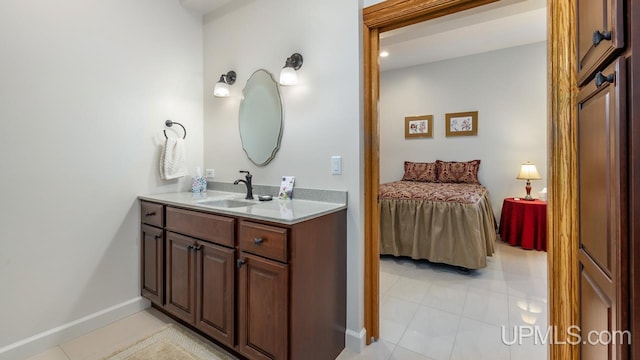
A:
[170,123]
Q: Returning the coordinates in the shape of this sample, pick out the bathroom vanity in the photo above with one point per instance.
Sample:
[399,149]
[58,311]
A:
[265,279]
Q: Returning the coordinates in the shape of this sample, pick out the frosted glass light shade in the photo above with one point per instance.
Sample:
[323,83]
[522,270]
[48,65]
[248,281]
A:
[288,76]
[221,89]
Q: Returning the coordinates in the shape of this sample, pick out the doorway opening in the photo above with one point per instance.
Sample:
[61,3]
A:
[394,14]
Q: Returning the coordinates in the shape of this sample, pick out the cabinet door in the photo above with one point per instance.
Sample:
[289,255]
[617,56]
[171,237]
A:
[180,276]
[152,260]
[602,210]
[263,318]
[600,32]
[215,296]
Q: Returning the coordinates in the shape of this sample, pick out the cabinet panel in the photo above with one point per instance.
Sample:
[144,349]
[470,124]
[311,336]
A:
[263,240]
[600,32]
[263,317]
[217,229]
[180,276]
[601,166]
[152,214]
[595,316]
[216,292]
[602,199]
[152,252]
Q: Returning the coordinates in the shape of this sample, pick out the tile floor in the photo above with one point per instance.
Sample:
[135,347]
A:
[436,312]
[105,341]
[427,312]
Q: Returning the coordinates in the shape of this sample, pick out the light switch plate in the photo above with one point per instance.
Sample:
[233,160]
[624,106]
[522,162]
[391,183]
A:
[336,165]
[210,173]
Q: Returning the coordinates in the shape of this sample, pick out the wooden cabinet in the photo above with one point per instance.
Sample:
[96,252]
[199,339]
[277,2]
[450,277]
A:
[199,274]
[262,289]
[263,305]
[200,285]
[600,31]
[181,277]
[215,292]
[152,252]
[152,274]
[603,156]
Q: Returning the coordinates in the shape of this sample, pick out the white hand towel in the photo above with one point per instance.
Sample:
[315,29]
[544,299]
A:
[172,159]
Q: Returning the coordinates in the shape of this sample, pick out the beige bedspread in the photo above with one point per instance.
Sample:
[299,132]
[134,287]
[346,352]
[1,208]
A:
[443,223]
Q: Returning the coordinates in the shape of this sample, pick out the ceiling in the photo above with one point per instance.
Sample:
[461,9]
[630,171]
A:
[204,6]
[499,25]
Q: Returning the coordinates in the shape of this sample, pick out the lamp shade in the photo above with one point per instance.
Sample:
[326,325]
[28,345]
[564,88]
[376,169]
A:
[221,89]
[528,171]
[288,76]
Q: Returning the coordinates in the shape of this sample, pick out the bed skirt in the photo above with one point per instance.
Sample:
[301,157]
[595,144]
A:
[442,232]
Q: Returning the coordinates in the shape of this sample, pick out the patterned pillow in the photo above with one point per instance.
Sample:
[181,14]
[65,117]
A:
[420,172]
[458,172]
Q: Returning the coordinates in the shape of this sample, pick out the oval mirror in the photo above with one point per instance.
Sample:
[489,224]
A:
[260,118]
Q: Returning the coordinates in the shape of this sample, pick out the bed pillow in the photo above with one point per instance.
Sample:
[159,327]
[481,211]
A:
[458,172]
[426,172]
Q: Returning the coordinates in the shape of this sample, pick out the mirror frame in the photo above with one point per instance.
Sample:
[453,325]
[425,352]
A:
[281,127]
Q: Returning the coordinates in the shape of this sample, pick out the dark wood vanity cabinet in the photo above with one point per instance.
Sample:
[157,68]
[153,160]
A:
[200,285]
[262,312]
[265,290]
[200,277]
[152,252]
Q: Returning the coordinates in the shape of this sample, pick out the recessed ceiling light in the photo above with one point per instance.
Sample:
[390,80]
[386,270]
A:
[384,53]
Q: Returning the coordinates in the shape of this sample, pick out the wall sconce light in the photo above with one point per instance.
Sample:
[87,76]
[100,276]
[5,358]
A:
[528,172]
[288,74]
[222,86]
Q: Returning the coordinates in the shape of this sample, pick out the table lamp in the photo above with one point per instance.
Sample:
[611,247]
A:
[528,172]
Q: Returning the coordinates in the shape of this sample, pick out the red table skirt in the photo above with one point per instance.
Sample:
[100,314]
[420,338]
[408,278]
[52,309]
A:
[524,223]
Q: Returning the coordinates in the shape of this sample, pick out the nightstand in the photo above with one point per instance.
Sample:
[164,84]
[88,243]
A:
[524,223]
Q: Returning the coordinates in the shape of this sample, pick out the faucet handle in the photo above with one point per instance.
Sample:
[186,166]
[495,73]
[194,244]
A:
[244,171]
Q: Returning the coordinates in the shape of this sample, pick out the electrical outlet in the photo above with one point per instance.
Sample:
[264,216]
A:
[210,173]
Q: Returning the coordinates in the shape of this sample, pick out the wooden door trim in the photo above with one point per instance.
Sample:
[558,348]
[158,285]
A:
[562,162]
[562,167]
[634,180]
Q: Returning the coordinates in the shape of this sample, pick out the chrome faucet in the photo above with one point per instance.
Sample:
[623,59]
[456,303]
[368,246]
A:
[247,182]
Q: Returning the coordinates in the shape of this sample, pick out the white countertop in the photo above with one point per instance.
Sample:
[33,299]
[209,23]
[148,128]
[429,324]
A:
[281,211]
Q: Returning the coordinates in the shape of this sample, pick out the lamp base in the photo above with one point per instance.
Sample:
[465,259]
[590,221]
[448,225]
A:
[528,188]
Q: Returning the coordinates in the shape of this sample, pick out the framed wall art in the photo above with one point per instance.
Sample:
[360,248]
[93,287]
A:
[461,124]
[418,126]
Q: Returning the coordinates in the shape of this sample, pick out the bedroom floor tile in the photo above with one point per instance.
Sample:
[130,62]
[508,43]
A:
[431,333]
[462,313]
[479,341]
[409,289]
[446,298]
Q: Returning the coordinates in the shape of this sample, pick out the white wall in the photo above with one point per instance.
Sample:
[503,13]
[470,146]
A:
[322,115]
[85,87]
[508,89]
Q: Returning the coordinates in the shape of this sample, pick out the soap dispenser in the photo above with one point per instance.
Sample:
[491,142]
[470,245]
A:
[199,182]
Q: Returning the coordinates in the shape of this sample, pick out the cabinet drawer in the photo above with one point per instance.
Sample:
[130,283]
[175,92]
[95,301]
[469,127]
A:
[217,229]
[600,34]
[263,240]
[151,213]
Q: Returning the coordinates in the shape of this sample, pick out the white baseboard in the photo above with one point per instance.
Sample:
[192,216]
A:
[355,341]
[47,339]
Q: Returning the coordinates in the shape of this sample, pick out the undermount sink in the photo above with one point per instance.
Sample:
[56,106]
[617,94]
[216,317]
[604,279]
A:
[227,203]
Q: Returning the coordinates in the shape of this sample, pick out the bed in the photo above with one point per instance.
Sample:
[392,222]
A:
[438,212]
